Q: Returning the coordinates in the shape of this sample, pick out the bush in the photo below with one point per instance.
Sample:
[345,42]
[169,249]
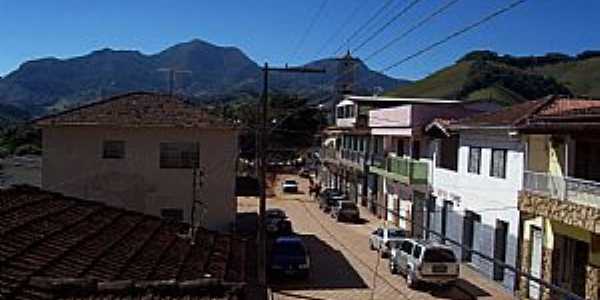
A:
[28,149]
[4,152]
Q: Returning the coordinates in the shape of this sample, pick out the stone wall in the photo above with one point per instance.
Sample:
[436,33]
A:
[525,267]
[592,282]
[570,213]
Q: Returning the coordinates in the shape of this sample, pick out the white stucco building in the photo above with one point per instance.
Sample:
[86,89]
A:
[152,153]
[477,176]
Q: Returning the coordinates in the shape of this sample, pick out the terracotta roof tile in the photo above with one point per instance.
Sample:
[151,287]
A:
[506,117]
[50,235]
[570,107]
[136,110]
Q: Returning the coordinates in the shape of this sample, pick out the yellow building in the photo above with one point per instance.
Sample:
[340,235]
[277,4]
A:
[560,200]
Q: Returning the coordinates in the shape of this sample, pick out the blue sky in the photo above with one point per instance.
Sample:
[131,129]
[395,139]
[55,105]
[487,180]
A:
[270,30]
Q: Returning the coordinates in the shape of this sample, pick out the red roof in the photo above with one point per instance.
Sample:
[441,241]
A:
[570,107]
[138,109]
[49,235]
[506,117]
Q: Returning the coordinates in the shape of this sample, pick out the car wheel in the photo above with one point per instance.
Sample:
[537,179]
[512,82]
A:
[411,281]
[393,269]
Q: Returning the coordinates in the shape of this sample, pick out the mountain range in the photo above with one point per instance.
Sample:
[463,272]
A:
[210,71]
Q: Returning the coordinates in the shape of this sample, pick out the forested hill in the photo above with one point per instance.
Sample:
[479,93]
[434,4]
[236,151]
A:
[509,79]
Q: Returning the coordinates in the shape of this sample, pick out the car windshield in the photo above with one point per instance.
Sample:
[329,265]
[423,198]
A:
[439,255]
[290,182]
[275,214]
[348,205]
[289,249]
[396,233]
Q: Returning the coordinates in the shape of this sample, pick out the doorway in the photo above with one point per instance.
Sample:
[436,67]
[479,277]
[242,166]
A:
[469,234]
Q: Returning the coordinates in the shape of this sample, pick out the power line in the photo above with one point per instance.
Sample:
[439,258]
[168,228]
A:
[342,26]
[455,34]
[359,29]
[460,32]
[413,28]
[309,29]
[388,23]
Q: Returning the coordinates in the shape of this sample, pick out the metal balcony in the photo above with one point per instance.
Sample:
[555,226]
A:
[405,170]
[580,191]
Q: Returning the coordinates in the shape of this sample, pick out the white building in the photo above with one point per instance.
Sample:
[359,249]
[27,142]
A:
[144,152]
[477,175]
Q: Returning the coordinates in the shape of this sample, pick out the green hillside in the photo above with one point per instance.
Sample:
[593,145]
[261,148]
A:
[581,77]
[485,75]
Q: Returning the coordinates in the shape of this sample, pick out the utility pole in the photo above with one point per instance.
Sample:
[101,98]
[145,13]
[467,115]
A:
[261,163]
[171,79]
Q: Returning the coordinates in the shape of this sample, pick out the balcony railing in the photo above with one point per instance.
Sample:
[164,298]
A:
[406,170]
[345,155]
[585,192]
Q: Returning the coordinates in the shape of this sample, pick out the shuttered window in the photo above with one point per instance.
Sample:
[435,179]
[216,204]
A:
[113,149]
[179,155]
[474,160]
[498,164]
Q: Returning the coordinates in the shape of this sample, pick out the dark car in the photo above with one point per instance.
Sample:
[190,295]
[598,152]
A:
[274,218]
[290,257]
[345,211]
[329,199]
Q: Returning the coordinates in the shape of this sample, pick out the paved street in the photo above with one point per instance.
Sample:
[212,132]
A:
[343,267]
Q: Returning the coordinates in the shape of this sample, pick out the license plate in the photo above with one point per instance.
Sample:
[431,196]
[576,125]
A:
[439,268]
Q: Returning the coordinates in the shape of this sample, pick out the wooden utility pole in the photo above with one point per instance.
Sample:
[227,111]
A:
[262,167]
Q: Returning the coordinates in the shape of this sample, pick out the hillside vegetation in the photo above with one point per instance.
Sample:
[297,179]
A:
[509,79]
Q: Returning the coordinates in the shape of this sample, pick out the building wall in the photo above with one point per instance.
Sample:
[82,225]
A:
[73,165]
[492,198]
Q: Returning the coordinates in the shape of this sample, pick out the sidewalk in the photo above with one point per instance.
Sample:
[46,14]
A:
[473,282]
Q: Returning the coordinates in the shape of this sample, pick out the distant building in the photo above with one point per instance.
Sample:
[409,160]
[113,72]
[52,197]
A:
[147,152]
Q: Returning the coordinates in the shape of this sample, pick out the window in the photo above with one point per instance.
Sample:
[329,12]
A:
[448,154]
[417,252]
[179,155]
[113,149]
[340,112]
[498,166]
[474,160]
[400,148]
[416,150]
[173,214]
[407,247]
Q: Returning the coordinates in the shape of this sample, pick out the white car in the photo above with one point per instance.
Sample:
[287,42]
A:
[422,261]
[384,239]
[289,186]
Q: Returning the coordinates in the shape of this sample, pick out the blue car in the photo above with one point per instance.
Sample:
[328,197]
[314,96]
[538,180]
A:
[290,257]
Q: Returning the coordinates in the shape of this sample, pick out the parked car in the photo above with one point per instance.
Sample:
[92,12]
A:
[304,173]
[422,261]
[273,220]
[345,210]
[289,186]
[383,239]
[328,201]
[290,257]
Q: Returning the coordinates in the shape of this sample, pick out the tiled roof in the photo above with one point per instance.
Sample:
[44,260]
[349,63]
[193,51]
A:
[138,109]
[509,116]
[74,289]
[49,235]
[570,107]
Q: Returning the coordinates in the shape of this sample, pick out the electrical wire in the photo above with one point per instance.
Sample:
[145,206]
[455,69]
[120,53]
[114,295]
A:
[361,5]
[365,25]
[388,23]
[308,29]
